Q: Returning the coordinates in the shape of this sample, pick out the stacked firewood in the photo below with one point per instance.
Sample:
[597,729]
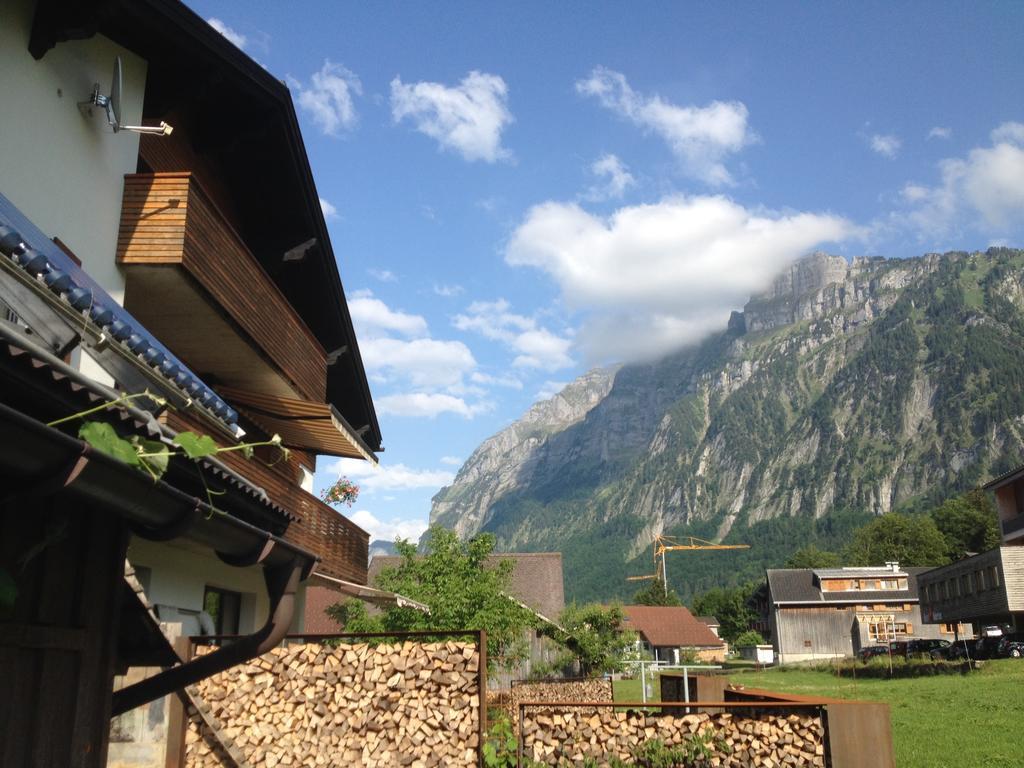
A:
[557,690]
[407,704]
[723,740]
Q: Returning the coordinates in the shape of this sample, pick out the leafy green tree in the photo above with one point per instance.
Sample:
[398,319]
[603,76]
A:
[656,594]
[454,580]
[594,636]
[812,557]
[907,539]
[750,637]
[968,523]
[731,606]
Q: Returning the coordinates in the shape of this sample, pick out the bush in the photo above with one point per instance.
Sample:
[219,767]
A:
[750,637]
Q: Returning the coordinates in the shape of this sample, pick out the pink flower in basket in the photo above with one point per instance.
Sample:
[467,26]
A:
[344,491]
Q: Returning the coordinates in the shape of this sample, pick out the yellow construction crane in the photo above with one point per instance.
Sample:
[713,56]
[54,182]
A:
[663,544]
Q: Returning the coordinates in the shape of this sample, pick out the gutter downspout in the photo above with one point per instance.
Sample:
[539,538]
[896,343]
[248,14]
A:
[282,583]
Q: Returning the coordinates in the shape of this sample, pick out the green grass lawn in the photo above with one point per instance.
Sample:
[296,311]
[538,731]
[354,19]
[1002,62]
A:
[629,690]
[949,721]
[954,721]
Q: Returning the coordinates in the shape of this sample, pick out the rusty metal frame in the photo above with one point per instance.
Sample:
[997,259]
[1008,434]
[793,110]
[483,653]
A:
[820,706]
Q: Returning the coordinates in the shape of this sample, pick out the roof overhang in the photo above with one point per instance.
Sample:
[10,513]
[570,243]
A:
[379,597]
[301,423]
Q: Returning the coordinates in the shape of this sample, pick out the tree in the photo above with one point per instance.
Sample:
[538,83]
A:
[656,594]
[906,539]
[594,636]
[968,523]
[812,557]
[731,606]
[453,579]
[750,637]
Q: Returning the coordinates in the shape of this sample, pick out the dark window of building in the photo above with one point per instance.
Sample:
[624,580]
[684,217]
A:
[224,608]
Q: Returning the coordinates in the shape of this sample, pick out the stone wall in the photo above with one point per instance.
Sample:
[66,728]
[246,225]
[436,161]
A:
[409,703]
[736,740]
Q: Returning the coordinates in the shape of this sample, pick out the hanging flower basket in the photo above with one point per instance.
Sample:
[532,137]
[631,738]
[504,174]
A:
[344,491]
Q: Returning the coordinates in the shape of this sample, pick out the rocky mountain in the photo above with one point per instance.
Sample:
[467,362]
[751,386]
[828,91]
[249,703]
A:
[847,389]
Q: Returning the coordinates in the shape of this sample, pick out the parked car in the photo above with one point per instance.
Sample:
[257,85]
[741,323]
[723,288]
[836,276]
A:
[952,651]
[1011,646]
[984,648]
[923,648]
[870,651]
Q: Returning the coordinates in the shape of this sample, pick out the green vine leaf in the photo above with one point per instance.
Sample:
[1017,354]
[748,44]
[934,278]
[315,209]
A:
[153,455]
[104,439]
[195,446]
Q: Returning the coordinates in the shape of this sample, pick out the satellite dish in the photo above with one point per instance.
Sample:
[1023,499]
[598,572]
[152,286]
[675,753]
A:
[111,106]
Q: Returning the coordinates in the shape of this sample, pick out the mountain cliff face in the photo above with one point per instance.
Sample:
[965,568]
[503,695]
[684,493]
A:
[846,389]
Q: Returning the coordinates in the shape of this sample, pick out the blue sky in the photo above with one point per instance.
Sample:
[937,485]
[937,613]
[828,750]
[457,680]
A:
[518,191]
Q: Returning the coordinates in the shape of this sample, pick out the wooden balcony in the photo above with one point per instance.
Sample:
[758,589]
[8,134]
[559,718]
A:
[191,280]
[342,546]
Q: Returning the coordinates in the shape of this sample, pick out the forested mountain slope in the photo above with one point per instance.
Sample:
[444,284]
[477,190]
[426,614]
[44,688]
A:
[847,389]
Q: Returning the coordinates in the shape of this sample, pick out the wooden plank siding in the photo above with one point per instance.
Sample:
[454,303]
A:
[57,650]
[167,219]
[342,546]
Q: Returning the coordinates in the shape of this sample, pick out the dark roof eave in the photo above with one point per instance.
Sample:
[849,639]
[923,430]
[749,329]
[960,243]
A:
[31,450]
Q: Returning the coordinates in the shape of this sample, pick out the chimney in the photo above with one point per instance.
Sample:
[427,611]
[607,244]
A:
[893,565]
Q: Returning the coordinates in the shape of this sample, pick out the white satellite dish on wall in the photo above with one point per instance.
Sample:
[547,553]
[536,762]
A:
[111,106]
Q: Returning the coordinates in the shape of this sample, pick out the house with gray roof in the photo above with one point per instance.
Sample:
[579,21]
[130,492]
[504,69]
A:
[825,613]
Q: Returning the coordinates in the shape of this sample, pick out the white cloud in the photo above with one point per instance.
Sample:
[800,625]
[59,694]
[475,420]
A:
[467,118]
[389,530]
[237,38]
[940,132]
[422,376]
[701,137]
[885,145]
[372,316]
[501,381]
[384,275]
[388,477]
[328,99]
[447,291]
[428,405]
[551,388]
[328,208]
[652,278]
[424,363]
[615,176]
[985,189]
[536,347]
[451,461]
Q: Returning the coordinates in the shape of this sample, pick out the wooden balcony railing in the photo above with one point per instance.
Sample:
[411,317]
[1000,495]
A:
[342,546]
[167,219]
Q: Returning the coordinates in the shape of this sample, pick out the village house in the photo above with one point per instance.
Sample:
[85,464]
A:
[160,232]
[829,613]
[670,633]
[986,589]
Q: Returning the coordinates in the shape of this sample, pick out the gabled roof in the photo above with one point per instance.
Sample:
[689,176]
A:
[241,112]
[669,626]
[536,578]
[798,585]
[711,621]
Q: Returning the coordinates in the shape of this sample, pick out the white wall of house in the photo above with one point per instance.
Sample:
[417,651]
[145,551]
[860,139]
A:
[65,171]
[180,573]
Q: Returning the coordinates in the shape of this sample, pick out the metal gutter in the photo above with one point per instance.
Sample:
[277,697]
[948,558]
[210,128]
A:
[47,461]
[144,420]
